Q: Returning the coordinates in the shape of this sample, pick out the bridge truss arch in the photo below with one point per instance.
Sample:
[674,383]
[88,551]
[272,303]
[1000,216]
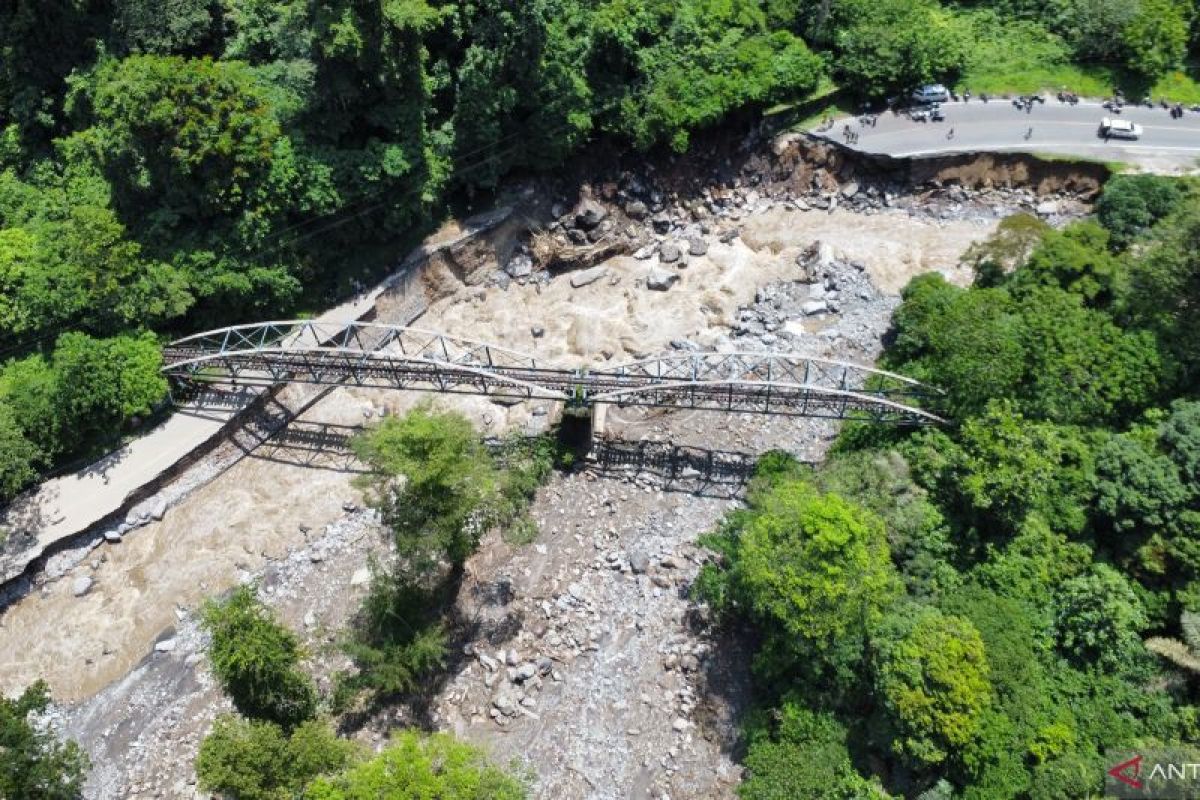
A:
[398,357]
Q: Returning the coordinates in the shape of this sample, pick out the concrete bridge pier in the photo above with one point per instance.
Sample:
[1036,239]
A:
[599,419]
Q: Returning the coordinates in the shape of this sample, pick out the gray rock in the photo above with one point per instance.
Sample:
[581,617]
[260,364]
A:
[669,253]
[519,266]
[636,209]
[660,280]
[577,236]
[526,671]
[586,276]
[697,246]
[639,562]
[165,646]
[505,704]
[113,536]
[850,189]
[644,252]
[661,222]
[589,214]
[814,307]
[82,585]
[1047,208]
[159,509]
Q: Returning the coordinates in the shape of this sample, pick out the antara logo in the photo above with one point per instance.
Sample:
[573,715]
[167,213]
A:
[1127,772]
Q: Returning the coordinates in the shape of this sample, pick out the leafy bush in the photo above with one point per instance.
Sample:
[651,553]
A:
[890,46]
[414,767]
[1099,617]
[33,764]
[257,660]
[397,641]
[931,674]
[435,484]
[258,760]
[1132,204]
[799,754]
[812,570]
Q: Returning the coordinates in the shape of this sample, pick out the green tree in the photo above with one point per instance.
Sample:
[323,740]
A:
[1131,204]
[889,46]
[257,660]
[414,766]
[19,457]
[165,26]
[968,343]
[1076,259]
[1165,285]
[1008,248]
[191,135]
[1156,37]
[258,760]
[29,388]
[1005,467]
[397,641]
[34,765]
[799,754]
[102,383]
[813,571]
[1083,367]
[931,675]
[434,484]
[1099,618]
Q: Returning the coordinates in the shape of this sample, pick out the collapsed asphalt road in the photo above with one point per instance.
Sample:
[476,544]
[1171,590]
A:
[1167,145]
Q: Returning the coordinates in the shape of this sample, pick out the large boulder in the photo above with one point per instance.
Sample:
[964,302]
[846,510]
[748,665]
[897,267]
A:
[669,252]
[660,280]
[636,209]
[697,246]
[519,266]
[590,213]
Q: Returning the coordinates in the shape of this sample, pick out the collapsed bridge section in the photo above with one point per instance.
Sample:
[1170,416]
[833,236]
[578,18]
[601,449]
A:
[396,357]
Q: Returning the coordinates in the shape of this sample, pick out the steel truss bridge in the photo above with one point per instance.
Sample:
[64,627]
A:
[393,357]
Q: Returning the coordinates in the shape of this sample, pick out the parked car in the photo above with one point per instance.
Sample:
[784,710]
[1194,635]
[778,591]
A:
[1119,129]
[929,113]
[931,93]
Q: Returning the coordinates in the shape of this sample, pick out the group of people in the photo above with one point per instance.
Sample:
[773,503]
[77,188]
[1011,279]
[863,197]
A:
[850,136]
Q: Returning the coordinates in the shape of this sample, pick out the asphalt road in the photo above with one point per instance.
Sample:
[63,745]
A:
[1169,145]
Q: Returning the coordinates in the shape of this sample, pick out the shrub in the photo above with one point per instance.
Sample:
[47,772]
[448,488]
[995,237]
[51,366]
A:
[33,764]
[256,660]
[258,760]
[416,767]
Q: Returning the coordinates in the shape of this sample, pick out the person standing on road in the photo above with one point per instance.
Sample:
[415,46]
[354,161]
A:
[950,133]
[1029,133]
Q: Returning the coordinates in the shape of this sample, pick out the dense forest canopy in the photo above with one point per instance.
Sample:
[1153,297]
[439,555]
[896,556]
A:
[171,164]
[1023,586]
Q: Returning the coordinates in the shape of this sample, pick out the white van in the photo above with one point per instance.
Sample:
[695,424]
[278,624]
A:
[931,93]
[1119,129]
